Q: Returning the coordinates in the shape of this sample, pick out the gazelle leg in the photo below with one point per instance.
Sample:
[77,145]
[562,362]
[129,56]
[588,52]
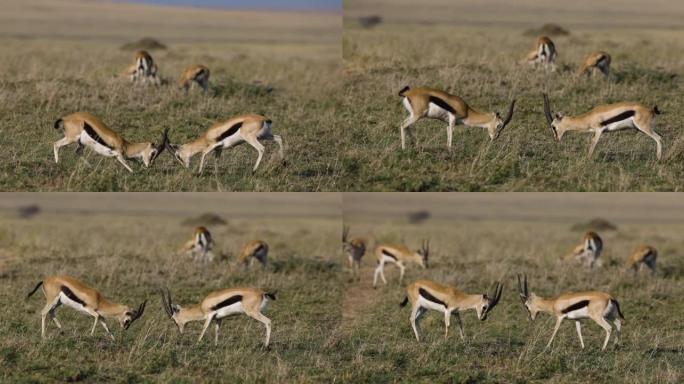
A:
[104,325]
[204,155]
[618,328]
[121,160]
[659,145]
[594,141]
[264,320]
[579,332]
[447,316]
[404,126]
[45,313]
[414,319]
[279,141]
[460,324]
[606,326]
[375,275]
[555,330]
[402,269]
[382,273]
[217,325]
[450,130]
[259,147]
[204,329]
[97,318]
[58,144]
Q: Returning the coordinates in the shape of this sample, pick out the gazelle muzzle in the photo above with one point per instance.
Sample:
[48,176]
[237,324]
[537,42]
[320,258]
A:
[507,120]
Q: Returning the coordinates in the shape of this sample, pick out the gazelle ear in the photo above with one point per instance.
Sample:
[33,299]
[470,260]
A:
[498,115]
[559,115]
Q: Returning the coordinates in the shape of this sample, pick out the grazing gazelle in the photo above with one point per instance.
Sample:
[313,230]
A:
[86,129]
[426,294]
[588,251]
[253,250]
[598,306]
[399,255]
[606,118]
[544,54]
[75,294]
[642,255]
[144,69]
[200,246]
[435,104]
[596,60]
[355,248]
[227,134]
[195,73]
[218,305]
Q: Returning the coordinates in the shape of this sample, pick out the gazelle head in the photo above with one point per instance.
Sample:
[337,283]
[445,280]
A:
[127,317]
[424,252]
[153,151]
[180,152]
[489,301]
[528,299]
[556,122]
[498,124]
[174,311]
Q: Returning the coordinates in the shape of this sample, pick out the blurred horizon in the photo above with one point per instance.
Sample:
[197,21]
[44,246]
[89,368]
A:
[289,5]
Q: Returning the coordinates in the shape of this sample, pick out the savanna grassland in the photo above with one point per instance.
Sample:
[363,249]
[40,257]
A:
[474,49]
[126,247]
[476,240]
[59,57]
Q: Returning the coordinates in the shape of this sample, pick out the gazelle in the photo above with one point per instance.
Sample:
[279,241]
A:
[86,129]
[253,250]
[200,246]
[144,70]
[218,305]
[75,294]
[426,294]
[596,60]
[195,73]
[544,54]
[399,255]
[227,134]
[588,251]
[435,104]
[355,248]
[642,255]
[598,306]
[606,118]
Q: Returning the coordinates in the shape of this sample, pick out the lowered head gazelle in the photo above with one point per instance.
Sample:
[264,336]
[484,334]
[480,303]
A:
[86,129]
[143,70]
[596,60]
[399,254]
[227,134]
[588,251]
[605,118]
[643,255]
[355,248]
[218,305]
[598,306]
[75,294]
[196,73]
[253,250]
[426,294]
[544,54]
[435,104]
[200,246]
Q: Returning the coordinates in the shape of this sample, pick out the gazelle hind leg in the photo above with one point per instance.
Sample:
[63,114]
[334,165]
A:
[402,270]
[404,127]
[594,141]
[378,269]
[460,324]
[555,330]
[217,325]
[47,309]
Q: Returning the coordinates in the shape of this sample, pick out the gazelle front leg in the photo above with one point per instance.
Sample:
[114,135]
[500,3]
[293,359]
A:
[404,126]
[378,271]
[121,160]
[204,155]
[594,141]
[447,316]
[555,330]
[204,329]
[450,130]
[460,324]
[104,325]
[402,269]
[579,332]
[264,320]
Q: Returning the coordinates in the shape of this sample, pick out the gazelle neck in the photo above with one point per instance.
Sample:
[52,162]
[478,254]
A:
[544,305]
[478,119]
[135,149]
[468,301]
[193,313]
[108,309]
[193,147]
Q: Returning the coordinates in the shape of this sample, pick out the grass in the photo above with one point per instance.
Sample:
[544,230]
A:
[287,71]
[327,328]
[481,64]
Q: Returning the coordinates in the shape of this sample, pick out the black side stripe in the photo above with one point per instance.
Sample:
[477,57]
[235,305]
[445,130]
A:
[71,295]
[93,135]
[442,104]
[229,132]
[388,254]
[576,306]
[620,117]
[429,297]
[227,302]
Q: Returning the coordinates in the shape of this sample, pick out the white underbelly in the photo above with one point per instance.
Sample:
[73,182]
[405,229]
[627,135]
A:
[431,305]
[97,147]
[437,112]
[66,301]
[387,259]
[232,309]
[233,140]
[622,124]
[581,313]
